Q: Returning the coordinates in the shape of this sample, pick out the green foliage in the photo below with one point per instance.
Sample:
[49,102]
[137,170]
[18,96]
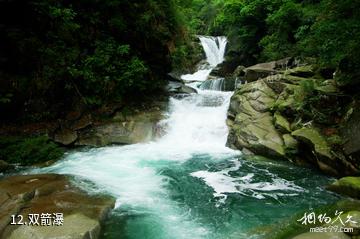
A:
[263,30]
[283,26]
[186,55]
[109,72]
[198,15]
[6,98]
[28,151]
[60,52]
[244,22]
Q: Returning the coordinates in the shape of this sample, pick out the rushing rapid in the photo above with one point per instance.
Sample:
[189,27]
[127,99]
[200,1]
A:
[188,184]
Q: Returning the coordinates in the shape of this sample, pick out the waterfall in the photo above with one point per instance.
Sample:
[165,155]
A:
[195,125]
[178,186]
[214,48]
[215,84]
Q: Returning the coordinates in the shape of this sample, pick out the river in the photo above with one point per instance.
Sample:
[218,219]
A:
[188,184]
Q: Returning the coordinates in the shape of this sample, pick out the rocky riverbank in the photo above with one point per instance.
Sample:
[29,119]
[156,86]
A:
[38,199]
[295,112]
[45,142]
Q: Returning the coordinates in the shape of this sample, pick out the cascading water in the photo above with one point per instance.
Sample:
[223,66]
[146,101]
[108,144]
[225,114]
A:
[215,84]
[214,48]
[179,186]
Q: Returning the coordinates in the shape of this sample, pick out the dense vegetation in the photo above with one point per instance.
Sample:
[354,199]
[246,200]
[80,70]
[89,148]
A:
[262,30]
[28,151]
[56,53]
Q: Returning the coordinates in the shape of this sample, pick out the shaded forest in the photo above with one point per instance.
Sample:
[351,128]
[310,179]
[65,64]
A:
[57,53]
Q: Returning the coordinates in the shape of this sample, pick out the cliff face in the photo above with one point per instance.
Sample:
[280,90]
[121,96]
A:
[290,111]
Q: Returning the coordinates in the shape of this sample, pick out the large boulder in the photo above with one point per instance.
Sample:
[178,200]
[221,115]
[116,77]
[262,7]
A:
[76,226]
[82,123]
[322,153]
[175,87]
[51,194]
[224,69]
[123,129]
[65,136]
[267,117]
[259,71]
[291,144]
[315,140]
[349,186]
[281,123]
[239,71]
[263,70]
[174,76]
[351,131]
[320,150]
[252,126]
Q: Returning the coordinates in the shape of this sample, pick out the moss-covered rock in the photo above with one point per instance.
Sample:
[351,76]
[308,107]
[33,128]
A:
[306,71]
[299,96]
[353,223]
[289,98]
[349,186]
[290,142]
[259,71]
[239,71]
[293,228]
[320,152]
[327,87]
[313,138]
[253,127]
[281,123]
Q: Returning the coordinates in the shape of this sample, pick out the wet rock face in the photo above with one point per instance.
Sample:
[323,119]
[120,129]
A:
[48,194]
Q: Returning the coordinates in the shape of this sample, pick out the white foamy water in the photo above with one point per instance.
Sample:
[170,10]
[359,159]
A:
[214,48]
[195,125]
[130,174]
[223,183]
[215,84]
[200,75]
